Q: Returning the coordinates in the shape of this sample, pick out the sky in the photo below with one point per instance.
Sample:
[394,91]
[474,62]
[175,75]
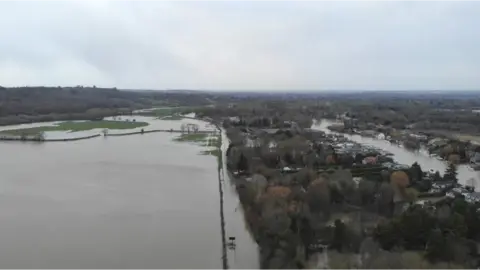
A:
[247,45]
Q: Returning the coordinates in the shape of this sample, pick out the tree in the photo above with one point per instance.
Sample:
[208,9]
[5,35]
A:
[242,163]
[416,172]
[259,184]
[454,159]
[437,177]
[436,248]
[451,173]
[275,220]
[367,190]
[330,160]
[399,179]
[341,182]
[411,195]
[385,175]
[385,199]
[338,235]
[347,161]
[318,196]
[455,225]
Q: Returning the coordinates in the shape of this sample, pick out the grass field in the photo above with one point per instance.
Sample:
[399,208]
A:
[204,140]
[77,126]
[192,137]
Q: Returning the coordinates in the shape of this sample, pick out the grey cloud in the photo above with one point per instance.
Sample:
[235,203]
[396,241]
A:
[241,45]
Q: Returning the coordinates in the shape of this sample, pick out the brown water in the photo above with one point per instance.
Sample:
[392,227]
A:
[122,202]
[408,157]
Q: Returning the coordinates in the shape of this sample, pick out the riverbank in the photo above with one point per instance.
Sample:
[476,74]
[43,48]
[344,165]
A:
[2,138]
[405,156]
[444,145]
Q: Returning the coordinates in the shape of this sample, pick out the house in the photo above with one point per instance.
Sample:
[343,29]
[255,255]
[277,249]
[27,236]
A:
[370,160]
[418,137]
[272,145]
[473,197]
[252,142]
[437,142]
[368,133]
[234,119]
[441,185]
[475,158]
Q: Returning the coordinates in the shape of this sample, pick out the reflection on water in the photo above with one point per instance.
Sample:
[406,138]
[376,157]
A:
[139,201]
[405,156]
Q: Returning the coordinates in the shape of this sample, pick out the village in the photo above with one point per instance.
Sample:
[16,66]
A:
[438,145]
[325,181]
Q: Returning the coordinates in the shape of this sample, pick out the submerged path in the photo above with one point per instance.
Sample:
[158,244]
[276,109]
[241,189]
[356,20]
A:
[221,180]
[245,255]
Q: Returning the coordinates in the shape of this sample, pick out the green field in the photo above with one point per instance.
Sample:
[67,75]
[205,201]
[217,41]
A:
[77,126]
[191,137]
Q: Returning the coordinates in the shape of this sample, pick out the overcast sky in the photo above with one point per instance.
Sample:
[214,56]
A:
[241,45]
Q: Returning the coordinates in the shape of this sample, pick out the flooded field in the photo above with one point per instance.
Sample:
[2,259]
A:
[141,201]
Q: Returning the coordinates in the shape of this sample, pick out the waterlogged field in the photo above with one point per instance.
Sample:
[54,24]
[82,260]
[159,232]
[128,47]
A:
[211,141]
[171,113]
[113,202]
[75,126]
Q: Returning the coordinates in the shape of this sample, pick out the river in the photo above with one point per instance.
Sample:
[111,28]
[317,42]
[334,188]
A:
[404,156]
[141,201]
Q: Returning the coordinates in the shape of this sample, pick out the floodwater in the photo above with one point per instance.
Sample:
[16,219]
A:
[140,201]
[246,253]
[153,124]
[404,156]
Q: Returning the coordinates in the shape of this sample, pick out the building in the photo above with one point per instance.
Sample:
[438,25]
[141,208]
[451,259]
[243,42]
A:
[475,159]
[473,197]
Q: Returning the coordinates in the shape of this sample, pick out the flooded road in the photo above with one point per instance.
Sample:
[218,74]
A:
[404,156]
[246,253]
[140,201]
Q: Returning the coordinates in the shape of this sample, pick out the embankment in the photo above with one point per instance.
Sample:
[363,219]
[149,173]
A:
[48,140]
[153,131]
[93,136]
[222,216]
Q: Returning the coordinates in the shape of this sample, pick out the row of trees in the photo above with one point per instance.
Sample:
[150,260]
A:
[37,104]
[447,232]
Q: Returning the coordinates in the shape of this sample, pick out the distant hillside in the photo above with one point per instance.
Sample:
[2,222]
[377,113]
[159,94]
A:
[33,104]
